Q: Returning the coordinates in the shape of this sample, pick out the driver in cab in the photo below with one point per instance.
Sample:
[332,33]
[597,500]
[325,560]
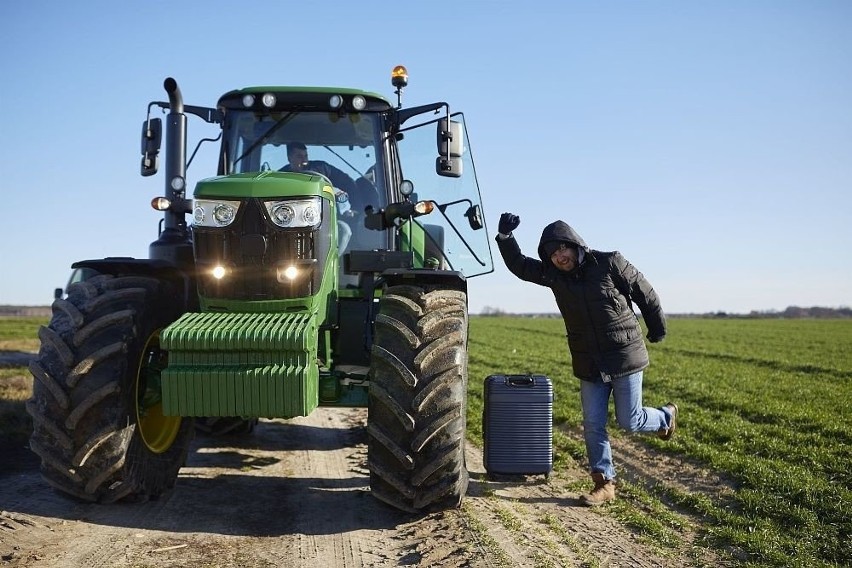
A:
[297,156]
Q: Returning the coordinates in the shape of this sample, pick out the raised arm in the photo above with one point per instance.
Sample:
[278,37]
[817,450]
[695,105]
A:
[524,267]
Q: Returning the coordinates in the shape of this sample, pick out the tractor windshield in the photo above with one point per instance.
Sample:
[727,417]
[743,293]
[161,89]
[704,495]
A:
[327,141]
[354,153]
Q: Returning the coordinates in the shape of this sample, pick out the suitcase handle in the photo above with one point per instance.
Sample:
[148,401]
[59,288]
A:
[520,381]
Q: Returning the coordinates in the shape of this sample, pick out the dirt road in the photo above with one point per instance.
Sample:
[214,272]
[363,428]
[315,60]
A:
[295,493]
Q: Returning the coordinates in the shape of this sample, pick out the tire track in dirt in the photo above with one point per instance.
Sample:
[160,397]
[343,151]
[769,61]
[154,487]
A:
[286,495]
[296,493]
[542,523]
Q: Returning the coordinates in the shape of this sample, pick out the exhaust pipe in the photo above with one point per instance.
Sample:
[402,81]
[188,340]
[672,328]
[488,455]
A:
[174,243]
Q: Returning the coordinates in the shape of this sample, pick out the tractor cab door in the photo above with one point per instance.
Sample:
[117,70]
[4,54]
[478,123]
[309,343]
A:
[453,236]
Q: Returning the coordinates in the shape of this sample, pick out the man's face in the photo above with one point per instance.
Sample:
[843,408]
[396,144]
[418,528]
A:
[298,159]
[565,258]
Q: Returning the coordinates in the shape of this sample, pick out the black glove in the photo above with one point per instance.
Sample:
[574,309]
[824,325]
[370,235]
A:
[656,338]
[508,223]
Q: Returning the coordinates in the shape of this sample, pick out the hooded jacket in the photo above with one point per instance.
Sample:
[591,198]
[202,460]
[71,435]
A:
[594,298]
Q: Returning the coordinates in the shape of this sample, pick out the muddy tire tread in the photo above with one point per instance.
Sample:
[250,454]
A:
[416,420]
[83,403]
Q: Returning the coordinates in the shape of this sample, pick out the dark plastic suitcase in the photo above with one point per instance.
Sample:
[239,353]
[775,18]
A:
[517,425]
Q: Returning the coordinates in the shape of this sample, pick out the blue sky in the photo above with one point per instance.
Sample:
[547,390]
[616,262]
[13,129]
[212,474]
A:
[708,141]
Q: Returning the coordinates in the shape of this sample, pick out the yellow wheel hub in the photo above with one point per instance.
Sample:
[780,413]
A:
[157,431]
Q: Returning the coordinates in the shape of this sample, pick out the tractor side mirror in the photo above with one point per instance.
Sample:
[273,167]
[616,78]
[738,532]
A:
[474,217]
[152,135]
[450,148]
[450,138]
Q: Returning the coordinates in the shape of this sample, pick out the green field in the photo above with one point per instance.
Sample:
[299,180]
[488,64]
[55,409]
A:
[17,334]
[766,403]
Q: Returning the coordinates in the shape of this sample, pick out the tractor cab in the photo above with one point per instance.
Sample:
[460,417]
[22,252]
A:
[376,159]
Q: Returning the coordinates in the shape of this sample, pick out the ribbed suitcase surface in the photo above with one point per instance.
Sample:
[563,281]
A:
[517,424]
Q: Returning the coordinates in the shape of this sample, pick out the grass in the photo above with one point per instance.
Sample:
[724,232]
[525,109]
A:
[16,334]
[20,333]
[483,538]
[767,403]
[15,424]
[588,560]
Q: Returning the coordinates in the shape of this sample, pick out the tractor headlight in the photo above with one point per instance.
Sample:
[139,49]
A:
[282,214]
[294,271]
[287,273]
[268,100]
[214,213]
[294,213]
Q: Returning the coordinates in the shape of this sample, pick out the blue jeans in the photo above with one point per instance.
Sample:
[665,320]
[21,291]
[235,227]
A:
[629,412]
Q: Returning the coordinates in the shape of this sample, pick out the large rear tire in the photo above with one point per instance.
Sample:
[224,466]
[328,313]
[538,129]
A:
[417,399]
[98,425]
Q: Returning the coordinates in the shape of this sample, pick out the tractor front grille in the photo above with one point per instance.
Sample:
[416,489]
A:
[255,252]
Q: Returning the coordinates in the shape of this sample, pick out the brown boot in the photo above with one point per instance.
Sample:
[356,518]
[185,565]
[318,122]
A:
[667,433]
[604,491]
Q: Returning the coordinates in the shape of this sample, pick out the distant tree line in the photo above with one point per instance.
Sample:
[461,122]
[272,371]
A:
[791,312]
[491,311]
[25,311]
[798,312]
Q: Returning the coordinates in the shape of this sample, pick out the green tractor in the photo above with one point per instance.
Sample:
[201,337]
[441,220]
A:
[312,271]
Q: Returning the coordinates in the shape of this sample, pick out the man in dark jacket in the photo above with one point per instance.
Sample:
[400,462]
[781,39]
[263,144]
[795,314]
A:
[594,291]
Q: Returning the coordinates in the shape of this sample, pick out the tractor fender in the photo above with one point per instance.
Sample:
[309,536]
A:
[450,279]
[164,270]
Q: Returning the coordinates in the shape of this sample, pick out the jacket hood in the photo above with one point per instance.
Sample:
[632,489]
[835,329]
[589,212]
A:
[559,231]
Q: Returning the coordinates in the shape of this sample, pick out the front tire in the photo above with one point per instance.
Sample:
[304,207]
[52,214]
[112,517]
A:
[98,425]
[417,400]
